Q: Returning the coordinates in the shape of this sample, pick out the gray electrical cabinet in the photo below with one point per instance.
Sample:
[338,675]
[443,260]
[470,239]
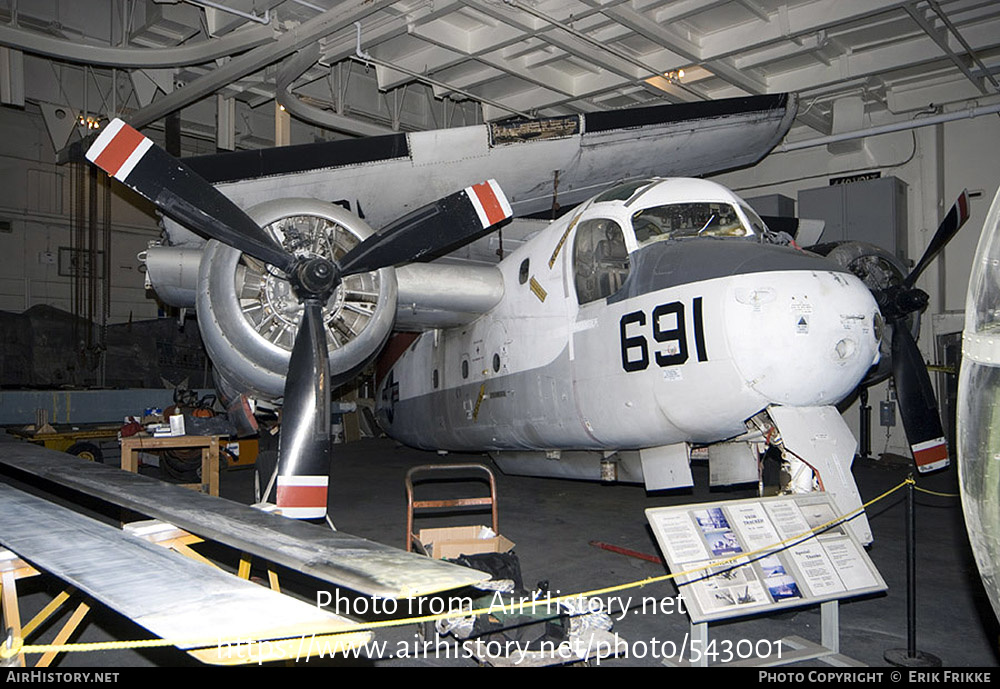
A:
[872,211]
[774,205]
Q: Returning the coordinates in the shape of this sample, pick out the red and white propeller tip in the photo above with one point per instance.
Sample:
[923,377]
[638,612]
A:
[118,149]
[490,203]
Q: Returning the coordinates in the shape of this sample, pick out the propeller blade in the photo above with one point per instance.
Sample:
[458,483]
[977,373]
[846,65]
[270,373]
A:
[951,224]
[917,404]
[304,444]
[179,192]
[432,230]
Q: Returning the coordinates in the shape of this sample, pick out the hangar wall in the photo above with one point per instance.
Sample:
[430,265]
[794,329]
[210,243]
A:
[36,201]
[949,156]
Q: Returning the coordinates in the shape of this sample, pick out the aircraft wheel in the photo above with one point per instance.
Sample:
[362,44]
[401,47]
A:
[427,632]
[183,466]
[87,451]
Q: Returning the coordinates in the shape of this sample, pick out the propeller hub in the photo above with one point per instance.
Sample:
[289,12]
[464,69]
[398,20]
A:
[315,278]
[898,301]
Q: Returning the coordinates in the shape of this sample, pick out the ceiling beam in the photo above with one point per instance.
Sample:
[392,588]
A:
[942,42]
[689,52]
[750,81]
[965,44]
[605,57]
[792,22]
[882,61]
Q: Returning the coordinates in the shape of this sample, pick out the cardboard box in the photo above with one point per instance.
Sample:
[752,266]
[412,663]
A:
[452,541]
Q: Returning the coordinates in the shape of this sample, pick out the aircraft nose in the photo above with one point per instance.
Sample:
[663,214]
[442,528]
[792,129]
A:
[802,338]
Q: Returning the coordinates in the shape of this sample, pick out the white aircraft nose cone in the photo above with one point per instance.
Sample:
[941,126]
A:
[810,343]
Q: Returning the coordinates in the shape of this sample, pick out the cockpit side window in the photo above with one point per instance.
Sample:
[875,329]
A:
[600,259]
[697,219]
[758,225]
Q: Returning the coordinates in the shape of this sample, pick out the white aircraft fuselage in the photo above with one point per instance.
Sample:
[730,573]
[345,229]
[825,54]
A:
[616,332]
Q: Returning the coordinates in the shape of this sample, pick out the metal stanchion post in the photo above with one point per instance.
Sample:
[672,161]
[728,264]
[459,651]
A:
[910,656]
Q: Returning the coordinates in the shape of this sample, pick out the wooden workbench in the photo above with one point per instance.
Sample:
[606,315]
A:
[209,445]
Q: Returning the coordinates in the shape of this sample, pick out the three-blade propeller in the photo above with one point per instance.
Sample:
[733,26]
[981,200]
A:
[917,403]
[304,447]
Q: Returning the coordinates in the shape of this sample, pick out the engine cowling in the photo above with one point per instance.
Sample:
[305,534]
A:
[248,314]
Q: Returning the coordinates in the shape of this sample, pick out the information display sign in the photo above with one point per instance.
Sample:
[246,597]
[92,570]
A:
[742,557]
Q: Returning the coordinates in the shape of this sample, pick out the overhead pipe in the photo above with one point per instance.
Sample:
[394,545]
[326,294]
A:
[291,70]
[295,39]
[309,5]
[888,128]
[364,55]
[136,58]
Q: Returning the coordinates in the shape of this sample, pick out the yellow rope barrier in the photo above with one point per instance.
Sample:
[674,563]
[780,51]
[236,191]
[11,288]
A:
[934,492]
[19,647]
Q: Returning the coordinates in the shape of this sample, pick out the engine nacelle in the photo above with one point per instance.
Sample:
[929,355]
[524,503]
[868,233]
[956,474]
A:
[248,314]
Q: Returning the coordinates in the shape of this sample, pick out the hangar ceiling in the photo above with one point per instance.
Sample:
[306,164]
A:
[362,67]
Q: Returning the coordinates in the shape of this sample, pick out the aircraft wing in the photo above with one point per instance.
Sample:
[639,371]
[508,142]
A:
[540,164]
[197,607]
[333,556]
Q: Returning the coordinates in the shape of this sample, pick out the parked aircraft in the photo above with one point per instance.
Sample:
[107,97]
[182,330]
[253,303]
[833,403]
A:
[663,313]
[687,346]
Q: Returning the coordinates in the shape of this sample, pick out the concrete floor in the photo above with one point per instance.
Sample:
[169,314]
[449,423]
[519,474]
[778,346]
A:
[552,523]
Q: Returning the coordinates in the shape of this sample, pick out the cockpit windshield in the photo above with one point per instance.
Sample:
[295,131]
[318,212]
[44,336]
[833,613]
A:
[695,219]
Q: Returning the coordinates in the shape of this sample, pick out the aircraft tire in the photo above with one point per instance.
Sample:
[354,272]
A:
[181,466]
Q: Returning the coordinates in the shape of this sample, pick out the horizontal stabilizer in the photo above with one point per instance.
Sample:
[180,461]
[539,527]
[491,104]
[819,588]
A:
[197,607]
[333,556]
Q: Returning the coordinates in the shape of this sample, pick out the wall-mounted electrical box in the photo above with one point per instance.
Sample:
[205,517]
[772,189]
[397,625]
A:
[872,211]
